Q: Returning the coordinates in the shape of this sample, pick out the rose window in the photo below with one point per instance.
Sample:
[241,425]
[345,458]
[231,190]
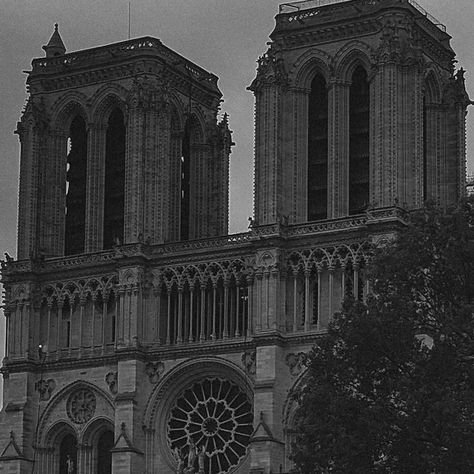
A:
[81,406]
[217,415]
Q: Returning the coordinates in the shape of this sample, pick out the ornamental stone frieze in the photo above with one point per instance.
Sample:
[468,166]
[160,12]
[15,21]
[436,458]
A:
[149,94]
[324,34]
[398,44]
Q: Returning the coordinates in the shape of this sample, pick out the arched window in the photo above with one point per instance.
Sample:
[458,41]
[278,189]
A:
[114,194]
[425,150]
[430,138]
[359,142]
[318,150]
[68,455]
[185,181]
[74,237]
[104,455]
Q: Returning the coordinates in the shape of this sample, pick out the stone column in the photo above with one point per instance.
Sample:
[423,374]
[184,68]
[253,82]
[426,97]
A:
[251,322]
[267,149]
[131,307]
[29,189]
[84,459]
[267,448]
[157,145]
[456,101]
[128,453]
[410,175]
[7,313]
[384,127]
[134,168]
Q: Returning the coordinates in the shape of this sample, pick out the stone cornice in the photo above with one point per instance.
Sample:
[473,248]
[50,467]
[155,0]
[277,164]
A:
[343,21]
[303,37]
[163,353]
[123,60]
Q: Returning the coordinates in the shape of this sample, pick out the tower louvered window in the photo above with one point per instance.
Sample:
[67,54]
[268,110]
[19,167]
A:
[318,150]
[114,180]
[185,181]
[359,142]
[74,236]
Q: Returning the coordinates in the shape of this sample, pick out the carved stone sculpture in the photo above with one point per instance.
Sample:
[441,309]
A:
[45,388]
[154,371]
[248,360]
[112,381]
[296,362]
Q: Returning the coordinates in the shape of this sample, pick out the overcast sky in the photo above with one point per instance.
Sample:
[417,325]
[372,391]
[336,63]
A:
[223,36]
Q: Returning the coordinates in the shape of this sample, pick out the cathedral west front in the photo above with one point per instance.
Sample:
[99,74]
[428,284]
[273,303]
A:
[141,336]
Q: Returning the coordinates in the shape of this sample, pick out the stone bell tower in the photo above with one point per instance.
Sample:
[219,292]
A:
[358,107]
[121,148]
[120,145]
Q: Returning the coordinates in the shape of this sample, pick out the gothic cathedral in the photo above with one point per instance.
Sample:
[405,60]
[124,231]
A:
[141,337]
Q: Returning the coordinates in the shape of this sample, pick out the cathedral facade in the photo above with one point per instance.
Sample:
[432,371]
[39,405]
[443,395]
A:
[141,337]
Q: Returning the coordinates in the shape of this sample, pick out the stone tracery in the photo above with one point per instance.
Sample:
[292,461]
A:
[214,414]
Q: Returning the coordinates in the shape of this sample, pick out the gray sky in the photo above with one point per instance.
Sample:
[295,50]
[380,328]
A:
[223,36]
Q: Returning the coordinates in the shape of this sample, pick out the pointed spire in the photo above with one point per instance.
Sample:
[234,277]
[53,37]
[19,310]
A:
[55,46]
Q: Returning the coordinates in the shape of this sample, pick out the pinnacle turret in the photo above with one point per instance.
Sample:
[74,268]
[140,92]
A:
[55,46]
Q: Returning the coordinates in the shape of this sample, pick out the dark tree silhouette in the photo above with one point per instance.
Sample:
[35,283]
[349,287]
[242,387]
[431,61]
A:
[390,388]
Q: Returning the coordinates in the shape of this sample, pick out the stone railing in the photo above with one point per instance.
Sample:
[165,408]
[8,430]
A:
[430,17]
[292,7]
[231,242]
[300,10]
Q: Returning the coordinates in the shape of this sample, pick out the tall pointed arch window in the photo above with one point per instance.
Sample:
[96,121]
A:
[74,237]
[359,103]
[185,189]
[431,97]
[425,149]
[318,150]
[114,192]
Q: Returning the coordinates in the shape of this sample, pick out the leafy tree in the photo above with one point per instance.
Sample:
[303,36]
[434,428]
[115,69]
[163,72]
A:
[390,388]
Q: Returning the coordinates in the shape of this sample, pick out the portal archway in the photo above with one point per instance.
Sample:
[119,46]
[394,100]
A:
[104,455]
[68,454]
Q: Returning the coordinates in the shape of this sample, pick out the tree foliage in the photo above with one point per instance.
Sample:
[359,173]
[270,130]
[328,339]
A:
[390,388]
